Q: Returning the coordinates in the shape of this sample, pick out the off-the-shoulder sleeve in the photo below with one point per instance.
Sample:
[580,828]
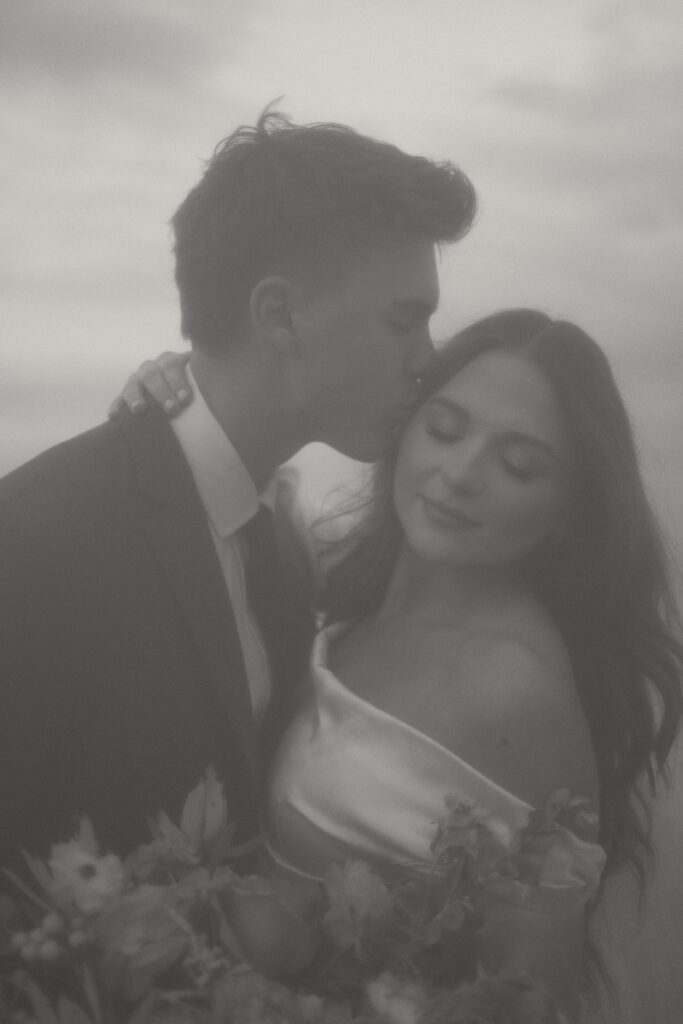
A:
[551,867]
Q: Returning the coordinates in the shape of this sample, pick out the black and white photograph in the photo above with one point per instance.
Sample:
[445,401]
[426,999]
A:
[341,512]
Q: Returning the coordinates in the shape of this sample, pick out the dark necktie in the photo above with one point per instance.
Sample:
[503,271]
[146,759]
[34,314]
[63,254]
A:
[280,605]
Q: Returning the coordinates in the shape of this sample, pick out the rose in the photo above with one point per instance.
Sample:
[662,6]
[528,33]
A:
[271,922]
[141,935]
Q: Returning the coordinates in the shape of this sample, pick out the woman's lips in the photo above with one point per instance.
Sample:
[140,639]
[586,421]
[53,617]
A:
[447,514]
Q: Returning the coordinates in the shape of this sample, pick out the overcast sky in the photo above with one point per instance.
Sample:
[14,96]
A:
[566,115]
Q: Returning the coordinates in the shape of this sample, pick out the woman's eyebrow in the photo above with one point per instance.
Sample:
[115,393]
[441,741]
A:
[507,435]
[449,404]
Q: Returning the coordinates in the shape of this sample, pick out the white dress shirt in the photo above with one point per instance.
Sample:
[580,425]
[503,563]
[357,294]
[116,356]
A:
[230,500]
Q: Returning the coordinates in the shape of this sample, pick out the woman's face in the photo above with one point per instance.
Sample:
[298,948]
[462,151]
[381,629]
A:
[484,470]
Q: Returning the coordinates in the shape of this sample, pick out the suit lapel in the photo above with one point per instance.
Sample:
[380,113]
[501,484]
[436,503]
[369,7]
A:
[177,531]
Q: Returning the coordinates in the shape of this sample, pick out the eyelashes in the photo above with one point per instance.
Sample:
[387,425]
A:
[446,436]
[521,473]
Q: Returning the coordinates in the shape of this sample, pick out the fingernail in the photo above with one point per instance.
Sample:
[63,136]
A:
[138,406]
[183,395]
[169,405]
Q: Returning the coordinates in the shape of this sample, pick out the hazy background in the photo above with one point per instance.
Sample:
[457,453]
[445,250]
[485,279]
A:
[566,115]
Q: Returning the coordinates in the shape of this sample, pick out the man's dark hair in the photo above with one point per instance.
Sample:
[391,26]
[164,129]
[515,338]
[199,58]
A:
[279,196]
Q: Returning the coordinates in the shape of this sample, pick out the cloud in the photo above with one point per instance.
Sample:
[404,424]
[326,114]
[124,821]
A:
[566,116]
[75,42]
[614,133]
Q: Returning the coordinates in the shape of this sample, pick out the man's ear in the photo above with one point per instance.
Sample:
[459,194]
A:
[271,306]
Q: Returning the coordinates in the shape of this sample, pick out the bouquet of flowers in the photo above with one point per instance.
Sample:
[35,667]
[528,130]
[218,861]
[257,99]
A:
[173,935]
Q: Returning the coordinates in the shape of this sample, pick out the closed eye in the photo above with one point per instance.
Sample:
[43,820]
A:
[524,472]
[443,423]
[444,435]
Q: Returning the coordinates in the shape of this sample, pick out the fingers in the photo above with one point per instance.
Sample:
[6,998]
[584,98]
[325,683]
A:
[163,379]
[132,396]
[175,391]
[115,408]
[173,359]
[150,382]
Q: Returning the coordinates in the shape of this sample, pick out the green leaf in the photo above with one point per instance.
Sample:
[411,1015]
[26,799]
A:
[85,837]
[21,885]
[144,1011]
[192,816]
[71,1013]
[230,941]
[220,848]
[91,994]
[39,871]
[244,848]
[40,1004]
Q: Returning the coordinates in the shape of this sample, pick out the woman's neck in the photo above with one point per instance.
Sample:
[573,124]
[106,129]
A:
[440,591]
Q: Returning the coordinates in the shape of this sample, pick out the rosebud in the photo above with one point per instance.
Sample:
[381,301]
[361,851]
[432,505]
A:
[49,950]
[78,939]
[30,949]
[18,940]
[270,924]
[53,924]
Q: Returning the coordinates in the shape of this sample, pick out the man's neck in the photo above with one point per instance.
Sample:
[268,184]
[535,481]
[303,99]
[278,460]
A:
[245,404]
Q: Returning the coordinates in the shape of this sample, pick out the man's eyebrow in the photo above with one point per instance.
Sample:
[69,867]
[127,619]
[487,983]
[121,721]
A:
[506,435]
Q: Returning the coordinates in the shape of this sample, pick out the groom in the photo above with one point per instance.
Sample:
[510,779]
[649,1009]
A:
[146,627]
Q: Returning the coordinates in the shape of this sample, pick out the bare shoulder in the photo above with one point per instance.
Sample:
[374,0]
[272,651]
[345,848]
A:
[524,707]
[513,667]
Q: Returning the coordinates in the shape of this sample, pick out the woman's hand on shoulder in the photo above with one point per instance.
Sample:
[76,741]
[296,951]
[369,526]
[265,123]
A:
[163,380]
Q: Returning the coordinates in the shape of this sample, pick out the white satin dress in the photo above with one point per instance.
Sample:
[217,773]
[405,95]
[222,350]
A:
[350,780]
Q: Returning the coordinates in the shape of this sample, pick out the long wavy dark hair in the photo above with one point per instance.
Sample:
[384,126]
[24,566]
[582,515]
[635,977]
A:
[606,583]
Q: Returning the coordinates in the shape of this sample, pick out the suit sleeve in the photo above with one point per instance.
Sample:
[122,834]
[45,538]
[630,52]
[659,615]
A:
[39,666]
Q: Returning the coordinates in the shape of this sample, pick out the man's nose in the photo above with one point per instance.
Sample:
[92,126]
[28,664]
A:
[422,356]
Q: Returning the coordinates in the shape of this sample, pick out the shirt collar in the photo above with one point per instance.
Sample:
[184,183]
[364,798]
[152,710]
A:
[227,492]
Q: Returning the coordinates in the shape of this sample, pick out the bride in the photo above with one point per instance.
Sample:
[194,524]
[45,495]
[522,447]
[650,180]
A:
[495,627]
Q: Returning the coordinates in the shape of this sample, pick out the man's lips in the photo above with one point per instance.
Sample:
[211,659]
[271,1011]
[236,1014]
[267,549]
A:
[407,406]
[448,514]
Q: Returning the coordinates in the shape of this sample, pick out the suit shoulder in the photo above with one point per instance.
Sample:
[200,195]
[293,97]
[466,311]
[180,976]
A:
[77,454]
[78,475]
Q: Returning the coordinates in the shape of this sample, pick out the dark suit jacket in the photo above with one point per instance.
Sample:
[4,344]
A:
[122,674]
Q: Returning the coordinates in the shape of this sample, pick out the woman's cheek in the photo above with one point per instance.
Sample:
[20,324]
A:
[526,523]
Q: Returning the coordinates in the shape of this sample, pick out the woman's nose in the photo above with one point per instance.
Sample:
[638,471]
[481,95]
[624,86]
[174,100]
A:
[463,471]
